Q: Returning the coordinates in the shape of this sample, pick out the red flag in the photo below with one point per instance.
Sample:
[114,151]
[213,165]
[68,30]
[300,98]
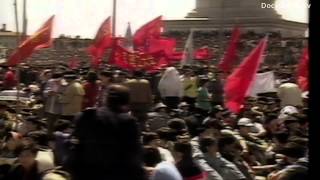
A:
[177,56]
[303,71]
[137,60]
[41,39]
[228,60]
[163,44]
[102,41]
[203,53]
[74,63]
[238,83]
[150,30]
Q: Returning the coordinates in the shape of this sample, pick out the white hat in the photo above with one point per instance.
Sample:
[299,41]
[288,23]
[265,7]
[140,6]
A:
[305,95]
[286,111]
[245,122]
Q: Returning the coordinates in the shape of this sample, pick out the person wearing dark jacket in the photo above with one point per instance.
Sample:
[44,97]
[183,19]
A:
[106,142]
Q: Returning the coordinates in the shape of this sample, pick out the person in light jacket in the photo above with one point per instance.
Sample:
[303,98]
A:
[171,88]
[72,97]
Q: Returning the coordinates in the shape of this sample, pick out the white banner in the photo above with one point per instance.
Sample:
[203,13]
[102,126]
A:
[264,82]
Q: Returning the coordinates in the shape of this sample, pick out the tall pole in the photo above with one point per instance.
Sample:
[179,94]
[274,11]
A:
[16,21]
[222,26]
[25,20]
[114,14]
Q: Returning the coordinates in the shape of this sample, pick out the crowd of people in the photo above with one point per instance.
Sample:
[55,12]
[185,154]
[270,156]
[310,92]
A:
[172,125]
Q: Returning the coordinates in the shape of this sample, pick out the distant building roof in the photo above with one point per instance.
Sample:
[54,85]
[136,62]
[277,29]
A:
[7,33]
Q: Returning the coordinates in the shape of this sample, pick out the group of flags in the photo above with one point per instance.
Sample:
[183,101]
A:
[148,50]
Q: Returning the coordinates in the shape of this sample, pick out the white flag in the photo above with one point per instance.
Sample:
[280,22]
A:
[188,51]
[263,83]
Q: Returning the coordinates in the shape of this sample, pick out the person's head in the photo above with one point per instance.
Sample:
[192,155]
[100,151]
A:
[216,112]
[245,125]
[160,107]
[32,123]
[182,151]
[63,126]
[106,76]
[39,137]
[228,145]
[12,140]
[214,126]
[177,125]
[92,77]
[292,123]
[151,139]
[118,98]
[280,138]
[184,106]
[138,74]
[208,145]
[27,155]
[165,134]
[204,82]
[296,173]
[293,151]
[3,107]
[46,74]
[70,76]
[151,156]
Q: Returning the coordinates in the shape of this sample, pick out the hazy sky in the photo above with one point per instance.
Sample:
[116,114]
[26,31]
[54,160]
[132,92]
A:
[83,17]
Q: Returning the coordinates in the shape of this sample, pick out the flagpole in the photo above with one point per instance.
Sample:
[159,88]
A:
[114,14]
[16,21]
[24,26]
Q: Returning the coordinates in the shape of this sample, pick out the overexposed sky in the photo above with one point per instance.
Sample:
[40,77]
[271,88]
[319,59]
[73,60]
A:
[83,17]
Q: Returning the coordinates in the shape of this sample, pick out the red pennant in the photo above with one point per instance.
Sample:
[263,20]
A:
[303,71]
[102,41]
[231,54]
[238,83]
[41,39]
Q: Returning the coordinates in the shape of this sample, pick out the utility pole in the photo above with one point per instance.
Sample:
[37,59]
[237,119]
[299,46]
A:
[25,21]
[16,21]
[114,15]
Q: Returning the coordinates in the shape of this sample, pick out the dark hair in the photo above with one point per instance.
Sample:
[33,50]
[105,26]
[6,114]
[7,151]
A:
[226,140]
[39,137]
[92,77]
[214,123]
[138,73]
[186,166]
[282,137]
[166,133]
[148,137]
[151,156]
[296,173]
[293,150]
[118,96]
[177,124]
[184,148]
[62,125]
[57,75]
[26,147]
[270,117]
[206,142]
[106,74]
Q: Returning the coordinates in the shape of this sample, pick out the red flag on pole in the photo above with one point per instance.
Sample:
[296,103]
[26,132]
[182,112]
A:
[303,71]
[238,83]
[102,41]
[40,39]
[150,30]
[203,53]
[74,63]
[228,60]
